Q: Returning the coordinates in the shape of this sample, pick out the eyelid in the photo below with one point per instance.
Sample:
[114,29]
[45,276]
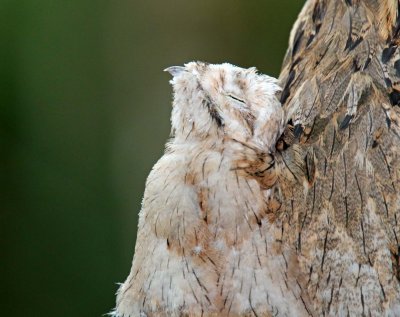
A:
[236,98]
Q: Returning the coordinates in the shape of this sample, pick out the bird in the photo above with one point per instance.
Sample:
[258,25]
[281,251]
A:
[304,171]
[340,80]
[206,235]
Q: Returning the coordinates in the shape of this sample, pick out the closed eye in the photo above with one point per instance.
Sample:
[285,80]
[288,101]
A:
[237,99]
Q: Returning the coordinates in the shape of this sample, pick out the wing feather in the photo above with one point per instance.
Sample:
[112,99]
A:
[341,79]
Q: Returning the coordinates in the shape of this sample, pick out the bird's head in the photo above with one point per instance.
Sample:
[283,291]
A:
[225,100]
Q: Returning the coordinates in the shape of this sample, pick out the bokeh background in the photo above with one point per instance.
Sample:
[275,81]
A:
[84,115]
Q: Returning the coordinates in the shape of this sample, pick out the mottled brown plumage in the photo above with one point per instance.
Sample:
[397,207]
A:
[341,89]
[239,219]
[206,244]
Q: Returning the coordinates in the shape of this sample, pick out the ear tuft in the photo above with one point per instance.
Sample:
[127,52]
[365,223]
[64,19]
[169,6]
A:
[175,70]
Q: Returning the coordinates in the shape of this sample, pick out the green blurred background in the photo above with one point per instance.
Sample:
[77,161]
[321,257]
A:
[84,114]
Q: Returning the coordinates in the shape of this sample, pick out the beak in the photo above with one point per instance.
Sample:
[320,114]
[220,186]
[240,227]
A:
[175,70]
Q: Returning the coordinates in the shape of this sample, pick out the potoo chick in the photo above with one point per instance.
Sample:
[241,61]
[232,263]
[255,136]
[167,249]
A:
[206,242]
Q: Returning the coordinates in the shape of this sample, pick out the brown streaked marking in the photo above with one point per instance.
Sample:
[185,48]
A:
[202,197]
[190,178]
[324,251]
[222,77]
